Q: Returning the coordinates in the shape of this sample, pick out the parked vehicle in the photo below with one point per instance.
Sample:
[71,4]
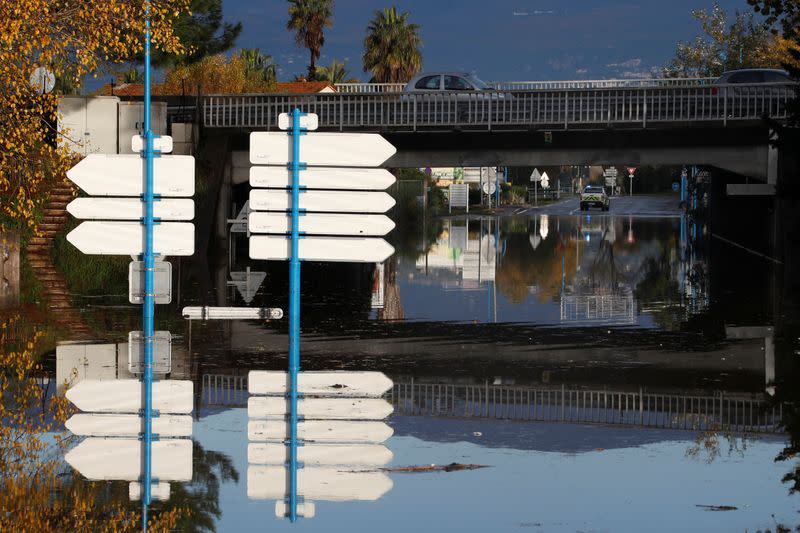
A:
[754,75]
[595,196]
[446,81]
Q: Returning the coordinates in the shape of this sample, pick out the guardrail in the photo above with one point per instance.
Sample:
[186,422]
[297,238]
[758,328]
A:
[539,85]
[488,110]
[719,412]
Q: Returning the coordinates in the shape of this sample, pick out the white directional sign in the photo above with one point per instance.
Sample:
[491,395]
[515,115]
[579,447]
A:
[317,483]
[127,396]
[330,383]
[315,454]
[369,179]
[158,491]
[123,175]
[231,313]
[322,201]
[321,149]
[162,143]
[127,238]
[345,249]
[113,458]
[320,408]
[321,430]
[322,224]
[128,425]
[130,208]
[308,121]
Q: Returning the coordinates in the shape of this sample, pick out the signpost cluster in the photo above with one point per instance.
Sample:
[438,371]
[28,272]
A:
[333,448]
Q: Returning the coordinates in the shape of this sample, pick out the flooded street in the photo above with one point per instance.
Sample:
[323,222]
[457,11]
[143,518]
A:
[602,373]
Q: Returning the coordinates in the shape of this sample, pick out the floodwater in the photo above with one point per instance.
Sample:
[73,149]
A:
[610,373]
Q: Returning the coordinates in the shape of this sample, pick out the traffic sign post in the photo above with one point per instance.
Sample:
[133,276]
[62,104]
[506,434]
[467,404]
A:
[631,170]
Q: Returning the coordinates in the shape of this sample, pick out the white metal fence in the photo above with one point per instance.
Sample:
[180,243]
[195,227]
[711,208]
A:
[539,85]
[546,109]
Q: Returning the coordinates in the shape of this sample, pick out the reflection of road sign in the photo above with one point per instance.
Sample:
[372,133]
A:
[322,201]
[321,149]
[162,352]
[162,144]
[304,509]
[247,283]
[322,224]
[370,179]
[162,282]
[125,425]
[321,430]
[122,175]
[113,458]
[158,491]
[535,175]
[277,453]
[320,408]
[347,249]
[317,483]
[127,396]
[127,238]
[130,208]
[333,383]
[232,313]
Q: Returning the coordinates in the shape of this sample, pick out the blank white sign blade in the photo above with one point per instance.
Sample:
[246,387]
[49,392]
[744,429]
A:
[314,454]
[320,408]
[308,121]
[321,149]
[322,201]
[158,491]
[107,459]
[368,179]
[120,425]
[321,224]
[123,175]
[162,143]
[343,249]
[130,208]
[320,383]
[127,396]
[317,483]
[321,430]
[127,238]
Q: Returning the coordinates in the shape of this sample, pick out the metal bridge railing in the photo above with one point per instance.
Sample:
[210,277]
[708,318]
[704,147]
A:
[539,85]
[546,109]
[717,412]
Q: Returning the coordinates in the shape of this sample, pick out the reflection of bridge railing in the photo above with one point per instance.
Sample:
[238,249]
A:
[719,412]
[487,110]
[605,308]
[538,85]
[560,404]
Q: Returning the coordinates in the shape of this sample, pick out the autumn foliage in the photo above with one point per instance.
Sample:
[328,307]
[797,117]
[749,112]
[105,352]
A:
[71,38]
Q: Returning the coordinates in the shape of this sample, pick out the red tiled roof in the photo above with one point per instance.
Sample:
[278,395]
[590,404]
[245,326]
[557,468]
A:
[303,87]
[121,89]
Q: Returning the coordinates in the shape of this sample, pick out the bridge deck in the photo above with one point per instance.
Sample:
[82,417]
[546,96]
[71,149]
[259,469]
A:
[640,107]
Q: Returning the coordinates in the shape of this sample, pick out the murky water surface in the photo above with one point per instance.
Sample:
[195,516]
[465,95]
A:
[611,374]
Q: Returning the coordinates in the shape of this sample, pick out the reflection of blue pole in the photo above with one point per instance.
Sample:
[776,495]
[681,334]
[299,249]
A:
[562,273]
[294,313]
[683,185]
[497,187]
[149,264]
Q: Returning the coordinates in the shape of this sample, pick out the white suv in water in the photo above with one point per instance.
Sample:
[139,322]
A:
[595,196]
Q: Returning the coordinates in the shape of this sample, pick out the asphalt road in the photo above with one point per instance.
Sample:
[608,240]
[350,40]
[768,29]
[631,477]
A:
[661,205]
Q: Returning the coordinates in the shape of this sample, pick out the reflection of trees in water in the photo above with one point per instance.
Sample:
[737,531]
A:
[657,284]
[604,276]
[200,498]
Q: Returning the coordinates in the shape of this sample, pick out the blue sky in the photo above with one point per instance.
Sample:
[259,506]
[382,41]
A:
[496,39]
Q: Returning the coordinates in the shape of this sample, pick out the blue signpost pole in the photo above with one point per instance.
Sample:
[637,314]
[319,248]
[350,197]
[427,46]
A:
[294,312]
[149,265]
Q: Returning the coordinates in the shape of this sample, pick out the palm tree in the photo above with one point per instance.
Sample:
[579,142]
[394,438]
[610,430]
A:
[258,65]
[308,19]
[392,47]
[335,73]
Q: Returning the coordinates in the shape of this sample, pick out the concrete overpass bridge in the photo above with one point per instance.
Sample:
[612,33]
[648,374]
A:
[698,123]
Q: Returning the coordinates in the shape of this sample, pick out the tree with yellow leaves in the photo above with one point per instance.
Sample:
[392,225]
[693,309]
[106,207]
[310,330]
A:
[72,39]
[216,74]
